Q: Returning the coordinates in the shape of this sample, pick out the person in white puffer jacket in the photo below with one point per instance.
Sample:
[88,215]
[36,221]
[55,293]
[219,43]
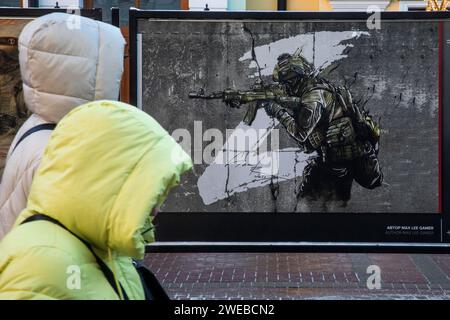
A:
[64,63]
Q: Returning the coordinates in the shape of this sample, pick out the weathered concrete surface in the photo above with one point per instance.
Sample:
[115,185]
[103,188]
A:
[397,72]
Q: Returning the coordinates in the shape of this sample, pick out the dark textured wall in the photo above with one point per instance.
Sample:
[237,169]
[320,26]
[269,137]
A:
[396,68]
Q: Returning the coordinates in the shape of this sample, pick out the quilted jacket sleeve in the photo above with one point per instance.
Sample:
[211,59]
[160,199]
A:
[18,174]
[13,197]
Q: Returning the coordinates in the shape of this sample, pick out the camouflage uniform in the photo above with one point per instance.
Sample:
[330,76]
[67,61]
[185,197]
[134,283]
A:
[329,123]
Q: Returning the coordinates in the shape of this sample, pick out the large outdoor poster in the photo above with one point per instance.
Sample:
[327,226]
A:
[302,117]
[13,111]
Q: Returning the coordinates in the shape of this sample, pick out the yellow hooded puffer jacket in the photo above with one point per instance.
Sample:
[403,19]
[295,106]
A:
[107,165]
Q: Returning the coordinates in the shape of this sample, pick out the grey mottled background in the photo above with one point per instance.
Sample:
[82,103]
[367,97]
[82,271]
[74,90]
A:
[396,66]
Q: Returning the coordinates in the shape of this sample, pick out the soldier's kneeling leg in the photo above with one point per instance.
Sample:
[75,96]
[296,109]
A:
[324,182]
[310,181]
[367,171]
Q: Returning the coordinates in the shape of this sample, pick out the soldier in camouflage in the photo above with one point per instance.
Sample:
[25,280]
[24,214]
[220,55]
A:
[326,121]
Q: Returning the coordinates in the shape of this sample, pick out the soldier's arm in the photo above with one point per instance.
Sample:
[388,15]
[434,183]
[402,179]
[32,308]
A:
[276,111]
[368,129]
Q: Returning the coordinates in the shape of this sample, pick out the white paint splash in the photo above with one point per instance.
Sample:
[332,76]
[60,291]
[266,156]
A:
[322,48]
[221,180]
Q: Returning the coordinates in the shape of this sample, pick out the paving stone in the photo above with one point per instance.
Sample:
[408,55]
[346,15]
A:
[235,276]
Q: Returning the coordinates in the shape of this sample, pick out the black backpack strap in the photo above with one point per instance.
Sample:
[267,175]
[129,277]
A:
[153,290]
[40,127]
[105,269]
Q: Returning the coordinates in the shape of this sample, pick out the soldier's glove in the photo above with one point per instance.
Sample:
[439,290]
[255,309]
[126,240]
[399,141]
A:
[340,132]
[273,109]
[374,129]
[233,104]
[367,129]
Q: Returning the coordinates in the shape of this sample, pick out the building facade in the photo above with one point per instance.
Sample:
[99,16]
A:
[310,5]
[237,5]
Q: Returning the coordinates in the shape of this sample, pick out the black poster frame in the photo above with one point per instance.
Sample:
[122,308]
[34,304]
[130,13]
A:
[199,231]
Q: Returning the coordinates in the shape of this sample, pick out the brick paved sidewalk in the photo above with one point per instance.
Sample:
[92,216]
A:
[300,276]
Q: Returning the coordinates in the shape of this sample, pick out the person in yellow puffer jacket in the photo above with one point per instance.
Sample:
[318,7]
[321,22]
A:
[106,167]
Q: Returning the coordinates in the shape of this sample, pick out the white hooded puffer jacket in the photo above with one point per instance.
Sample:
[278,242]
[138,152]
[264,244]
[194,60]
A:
[65,61]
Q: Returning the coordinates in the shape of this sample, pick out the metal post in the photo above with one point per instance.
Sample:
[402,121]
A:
[33,3]
[282,5]
[115,16]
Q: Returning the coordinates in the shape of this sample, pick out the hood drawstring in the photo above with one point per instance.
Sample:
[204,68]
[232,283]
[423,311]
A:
[114,271]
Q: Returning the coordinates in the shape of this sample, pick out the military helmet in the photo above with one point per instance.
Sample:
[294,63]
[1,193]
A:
[291,67]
